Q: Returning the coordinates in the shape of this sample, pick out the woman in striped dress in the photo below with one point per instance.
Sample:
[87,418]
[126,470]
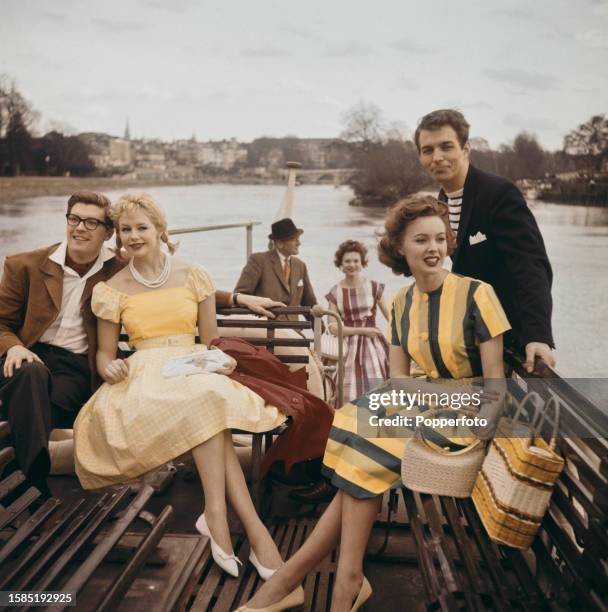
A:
[356,300]
[451,326]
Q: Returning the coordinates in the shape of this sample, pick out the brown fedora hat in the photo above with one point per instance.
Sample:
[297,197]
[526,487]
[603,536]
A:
[284,229]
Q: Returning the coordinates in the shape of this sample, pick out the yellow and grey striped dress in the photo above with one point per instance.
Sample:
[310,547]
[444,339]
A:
[440,331]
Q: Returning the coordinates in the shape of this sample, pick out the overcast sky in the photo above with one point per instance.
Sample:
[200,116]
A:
[250,68]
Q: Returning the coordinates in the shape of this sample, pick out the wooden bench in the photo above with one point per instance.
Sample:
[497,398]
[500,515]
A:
[566,568]
[271,342]
[240,319]
[59,545]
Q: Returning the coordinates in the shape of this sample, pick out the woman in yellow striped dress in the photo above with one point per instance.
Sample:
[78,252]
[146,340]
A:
[444,326]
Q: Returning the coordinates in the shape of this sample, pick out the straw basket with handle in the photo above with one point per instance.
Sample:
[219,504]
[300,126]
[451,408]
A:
[428,468]
[514,486]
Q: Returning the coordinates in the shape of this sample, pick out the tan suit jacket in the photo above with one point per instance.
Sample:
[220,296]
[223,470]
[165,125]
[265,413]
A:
[263,276]
[30,299]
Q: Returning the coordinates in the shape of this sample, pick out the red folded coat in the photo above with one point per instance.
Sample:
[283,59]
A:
[270,378]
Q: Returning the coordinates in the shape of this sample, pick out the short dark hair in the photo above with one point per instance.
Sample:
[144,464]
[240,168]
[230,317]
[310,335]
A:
[397,219]
[440,118]
[350,246]
[96,199]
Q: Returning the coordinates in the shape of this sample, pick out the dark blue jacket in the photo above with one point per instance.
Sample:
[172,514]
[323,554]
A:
[499,242]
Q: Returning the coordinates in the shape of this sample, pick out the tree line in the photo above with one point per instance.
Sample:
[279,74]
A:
[388,168]
[385,158]
[53,154]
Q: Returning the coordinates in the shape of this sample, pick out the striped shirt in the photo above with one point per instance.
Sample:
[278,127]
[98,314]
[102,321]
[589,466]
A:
[441,330]
[455,205]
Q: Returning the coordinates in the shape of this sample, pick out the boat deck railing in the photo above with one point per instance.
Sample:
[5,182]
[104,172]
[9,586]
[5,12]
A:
[248,225]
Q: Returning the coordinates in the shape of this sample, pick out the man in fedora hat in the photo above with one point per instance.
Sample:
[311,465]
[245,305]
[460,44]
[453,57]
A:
[277,273]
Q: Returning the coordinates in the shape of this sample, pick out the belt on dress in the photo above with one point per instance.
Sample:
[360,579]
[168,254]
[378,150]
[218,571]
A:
[164,341]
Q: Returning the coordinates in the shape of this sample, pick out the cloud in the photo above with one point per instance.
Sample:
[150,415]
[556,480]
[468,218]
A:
[513,13]
[407,83]
[595,39]
[352,48]
[522,122]
[522,78]
[268,51]
[479,105]
[175,6]
[39,59]
[301,31]
[116,25]
[54,17]
[405,44]
[464,106]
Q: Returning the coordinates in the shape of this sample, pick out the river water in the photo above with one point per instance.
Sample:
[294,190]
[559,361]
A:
[576,239]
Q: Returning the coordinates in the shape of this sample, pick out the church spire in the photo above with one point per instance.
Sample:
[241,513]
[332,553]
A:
[127,131]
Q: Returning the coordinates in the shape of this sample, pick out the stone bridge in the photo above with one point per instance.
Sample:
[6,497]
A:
[337,176]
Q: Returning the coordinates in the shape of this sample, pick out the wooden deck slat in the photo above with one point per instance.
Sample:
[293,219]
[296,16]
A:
[45,538]
[19,506]
[27,528]
[95,558]
[6,454]
[475,584]
[425,559]
[218,592]
[488,550]
[11,483]
[89,530]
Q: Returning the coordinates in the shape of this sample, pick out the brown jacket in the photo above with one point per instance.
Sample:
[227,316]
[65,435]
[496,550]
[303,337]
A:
[263,276]
[30,298]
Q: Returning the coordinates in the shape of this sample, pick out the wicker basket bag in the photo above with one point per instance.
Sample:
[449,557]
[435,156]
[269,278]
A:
[515,483]
[429,469]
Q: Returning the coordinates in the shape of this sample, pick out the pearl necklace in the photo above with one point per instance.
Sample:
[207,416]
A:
[157,282]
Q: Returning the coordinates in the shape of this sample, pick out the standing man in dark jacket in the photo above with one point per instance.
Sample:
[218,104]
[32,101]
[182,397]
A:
[498,240]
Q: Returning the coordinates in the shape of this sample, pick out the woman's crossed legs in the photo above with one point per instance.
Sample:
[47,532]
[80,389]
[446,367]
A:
[347,519]
[222,476]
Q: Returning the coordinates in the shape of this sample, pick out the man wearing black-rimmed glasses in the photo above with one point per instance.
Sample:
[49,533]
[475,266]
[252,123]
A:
[48,333]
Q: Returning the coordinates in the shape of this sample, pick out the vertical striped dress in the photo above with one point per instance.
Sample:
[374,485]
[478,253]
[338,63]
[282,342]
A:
[441,331]
[366,359]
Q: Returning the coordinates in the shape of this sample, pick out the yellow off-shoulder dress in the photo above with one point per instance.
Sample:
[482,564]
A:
[136,425]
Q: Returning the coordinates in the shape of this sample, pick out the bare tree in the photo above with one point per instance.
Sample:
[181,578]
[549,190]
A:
[12,102]
[386,160]
[589,138]
[17,117]
[363,124]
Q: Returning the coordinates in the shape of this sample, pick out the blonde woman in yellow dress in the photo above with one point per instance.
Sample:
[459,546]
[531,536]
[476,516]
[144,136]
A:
[139,420]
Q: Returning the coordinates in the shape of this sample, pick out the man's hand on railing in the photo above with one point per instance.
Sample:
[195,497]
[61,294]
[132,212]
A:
[538,350]
[258,304]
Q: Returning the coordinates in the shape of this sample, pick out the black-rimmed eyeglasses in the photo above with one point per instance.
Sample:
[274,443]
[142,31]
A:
[90,223]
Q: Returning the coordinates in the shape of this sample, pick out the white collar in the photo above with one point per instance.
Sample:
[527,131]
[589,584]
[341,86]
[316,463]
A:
[282,258]
[58,256]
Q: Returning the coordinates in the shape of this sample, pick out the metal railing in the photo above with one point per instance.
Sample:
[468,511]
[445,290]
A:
[317,327]
[210,228]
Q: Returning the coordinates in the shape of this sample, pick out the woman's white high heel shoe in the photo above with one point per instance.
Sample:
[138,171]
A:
[229,563]
[264,572]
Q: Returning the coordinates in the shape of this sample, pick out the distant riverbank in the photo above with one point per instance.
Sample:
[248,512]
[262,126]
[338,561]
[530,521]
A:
[16,188]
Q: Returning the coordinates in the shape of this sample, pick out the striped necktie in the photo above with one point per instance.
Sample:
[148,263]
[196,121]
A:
[286,271]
